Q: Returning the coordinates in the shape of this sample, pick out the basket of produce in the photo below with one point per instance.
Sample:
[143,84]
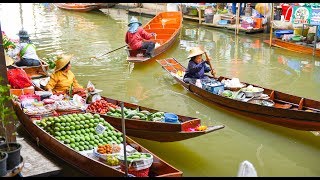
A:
[136,161]
[251,91]
[104,151]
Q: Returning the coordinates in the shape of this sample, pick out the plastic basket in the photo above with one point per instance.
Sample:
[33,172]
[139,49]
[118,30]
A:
[139,173]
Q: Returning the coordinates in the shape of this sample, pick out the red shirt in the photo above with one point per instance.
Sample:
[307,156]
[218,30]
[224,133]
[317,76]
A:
[134,40]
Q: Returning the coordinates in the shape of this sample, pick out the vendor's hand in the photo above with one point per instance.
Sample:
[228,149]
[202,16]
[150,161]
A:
[213,72]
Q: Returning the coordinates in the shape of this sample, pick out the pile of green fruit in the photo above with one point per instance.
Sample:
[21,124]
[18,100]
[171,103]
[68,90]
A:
[78,131]
[136,114]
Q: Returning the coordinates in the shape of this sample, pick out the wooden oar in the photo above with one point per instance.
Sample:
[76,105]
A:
[213,74]
[109,52]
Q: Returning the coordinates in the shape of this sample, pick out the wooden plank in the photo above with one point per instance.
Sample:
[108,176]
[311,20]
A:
[36,162]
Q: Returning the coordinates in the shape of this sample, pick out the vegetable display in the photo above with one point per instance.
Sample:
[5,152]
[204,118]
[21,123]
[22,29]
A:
[78,131]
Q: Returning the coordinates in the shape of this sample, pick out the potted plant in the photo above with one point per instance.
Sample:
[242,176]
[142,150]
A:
[11,148]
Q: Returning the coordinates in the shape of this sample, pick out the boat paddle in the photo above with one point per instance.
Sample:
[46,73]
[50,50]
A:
[108,52]
[211,67]
[209,62]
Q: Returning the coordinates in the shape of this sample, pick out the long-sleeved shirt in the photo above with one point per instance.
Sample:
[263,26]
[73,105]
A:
[134,40]
[30,52]
[196,71]
[61,81]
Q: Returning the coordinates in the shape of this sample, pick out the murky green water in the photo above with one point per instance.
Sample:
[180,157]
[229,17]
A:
[273,150]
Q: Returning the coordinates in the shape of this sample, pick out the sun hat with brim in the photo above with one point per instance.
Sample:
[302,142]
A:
[134,20]
[23,34]
[195,52]
[62,61]
[9,60]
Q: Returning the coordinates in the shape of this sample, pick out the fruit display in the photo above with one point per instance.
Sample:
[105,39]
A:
[137,161]
[136,114]
[78,131]
[100,106]
[112,161]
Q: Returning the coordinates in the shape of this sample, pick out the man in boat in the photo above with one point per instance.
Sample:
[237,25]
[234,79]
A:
[63,81]
[25,50]
[138,38]
[197,66]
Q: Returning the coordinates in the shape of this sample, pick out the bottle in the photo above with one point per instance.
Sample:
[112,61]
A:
[198,83]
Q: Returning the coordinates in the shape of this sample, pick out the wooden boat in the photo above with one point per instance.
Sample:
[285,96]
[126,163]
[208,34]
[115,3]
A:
[79,7]
[35,72]
[105,5]
[158,131]
[167,26]
[84,161]
[293,47]
[288,110]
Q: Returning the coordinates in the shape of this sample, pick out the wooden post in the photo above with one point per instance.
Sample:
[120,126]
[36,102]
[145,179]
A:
[271,21]
[237,19]
[315,41]
[3,72]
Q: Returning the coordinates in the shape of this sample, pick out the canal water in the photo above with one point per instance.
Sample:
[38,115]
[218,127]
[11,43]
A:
[273,150]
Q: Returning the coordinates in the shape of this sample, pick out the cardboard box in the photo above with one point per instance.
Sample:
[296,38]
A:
[18,92]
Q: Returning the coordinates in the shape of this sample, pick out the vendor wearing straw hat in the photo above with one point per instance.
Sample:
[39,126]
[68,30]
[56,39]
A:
[197,66]
[63,79]
[138,38]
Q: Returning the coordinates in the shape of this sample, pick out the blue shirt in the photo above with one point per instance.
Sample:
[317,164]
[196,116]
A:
[196,71]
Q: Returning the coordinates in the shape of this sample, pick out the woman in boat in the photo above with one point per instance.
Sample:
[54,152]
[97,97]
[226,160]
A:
[197,67]
[137,38]
[62,80]
[25,50]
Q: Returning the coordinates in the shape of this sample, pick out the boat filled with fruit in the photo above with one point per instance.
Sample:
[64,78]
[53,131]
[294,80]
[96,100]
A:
[250,100]
[86,141]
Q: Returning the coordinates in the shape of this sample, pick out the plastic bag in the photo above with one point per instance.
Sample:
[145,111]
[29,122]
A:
[90,87]
[18,78]
[247,170]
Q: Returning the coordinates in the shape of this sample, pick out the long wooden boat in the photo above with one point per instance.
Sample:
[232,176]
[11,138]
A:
[167,26]
[79,7]
[35,72]
[288,111]
[158,131]
[293,47]
[86,161]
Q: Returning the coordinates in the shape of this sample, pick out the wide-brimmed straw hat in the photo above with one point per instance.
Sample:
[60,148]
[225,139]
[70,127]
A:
[134,20]
[61,61]
[23,34]
[195,52]
[9,60]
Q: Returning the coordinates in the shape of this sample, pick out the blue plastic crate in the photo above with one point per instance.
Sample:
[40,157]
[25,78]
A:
[280,33]
[217,89]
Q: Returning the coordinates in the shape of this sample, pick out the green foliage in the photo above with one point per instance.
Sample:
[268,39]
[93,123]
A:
[5,111]
[51,61]
[7,43]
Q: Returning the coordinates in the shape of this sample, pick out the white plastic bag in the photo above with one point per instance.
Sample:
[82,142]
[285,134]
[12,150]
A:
[246,169]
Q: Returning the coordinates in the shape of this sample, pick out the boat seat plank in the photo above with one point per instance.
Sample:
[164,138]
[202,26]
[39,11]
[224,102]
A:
[301,104]
[272,95]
